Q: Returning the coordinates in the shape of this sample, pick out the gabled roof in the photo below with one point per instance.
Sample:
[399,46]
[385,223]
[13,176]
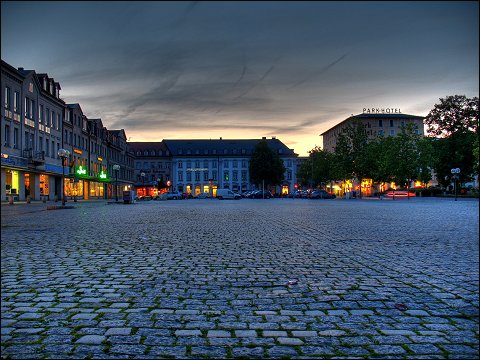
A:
[75,106]
[232,146]
[118,133]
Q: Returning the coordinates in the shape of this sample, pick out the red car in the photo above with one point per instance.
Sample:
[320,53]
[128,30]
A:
[400,193]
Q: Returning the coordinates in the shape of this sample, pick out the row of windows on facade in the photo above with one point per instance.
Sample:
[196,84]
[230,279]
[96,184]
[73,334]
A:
[226,164]
[226,175]
[47,116]
[30,142]
[214,152]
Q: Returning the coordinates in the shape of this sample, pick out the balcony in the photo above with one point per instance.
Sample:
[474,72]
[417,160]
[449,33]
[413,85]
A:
[34,157]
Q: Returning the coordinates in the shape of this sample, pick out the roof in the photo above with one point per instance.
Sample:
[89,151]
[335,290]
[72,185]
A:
[141,146]
[219,146]
[377,116]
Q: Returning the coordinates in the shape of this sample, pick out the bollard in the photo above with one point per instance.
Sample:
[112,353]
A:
[56,198]
[10,201]
[28,199]
[44,199]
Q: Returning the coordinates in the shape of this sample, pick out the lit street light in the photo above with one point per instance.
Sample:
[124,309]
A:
[143,183]
[64,154]
[116,168]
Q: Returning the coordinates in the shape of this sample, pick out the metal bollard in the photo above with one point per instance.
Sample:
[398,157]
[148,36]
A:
[44,199]
[10,201]
[28,200]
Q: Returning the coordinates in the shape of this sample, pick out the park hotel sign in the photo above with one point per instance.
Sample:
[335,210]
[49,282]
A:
[381,111]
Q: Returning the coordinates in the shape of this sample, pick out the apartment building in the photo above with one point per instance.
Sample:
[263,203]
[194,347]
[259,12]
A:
[31,123]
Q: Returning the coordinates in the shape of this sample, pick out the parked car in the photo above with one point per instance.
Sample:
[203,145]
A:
[187,196]
[175,195]
[203,195]
[227,194]
[262,194]
[321,194]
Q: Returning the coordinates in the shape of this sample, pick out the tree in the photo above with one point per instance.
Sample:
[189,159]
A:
[454,114]
[266,165]
[455,121]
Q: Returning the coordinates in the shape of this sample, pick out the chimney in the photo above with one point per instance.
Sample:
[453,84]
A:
[264,138]
[20,69]
[274,137]
[220,138]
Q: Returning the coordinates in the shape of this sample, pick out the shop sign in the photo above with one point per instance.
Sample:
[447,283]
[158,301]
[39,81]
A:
[53,168]
[103,175]
[78,151]
[81,170]
[14,161]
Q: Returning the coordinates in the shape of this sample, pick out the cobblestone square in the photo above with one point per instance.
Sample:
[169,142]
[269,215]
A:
[271,278]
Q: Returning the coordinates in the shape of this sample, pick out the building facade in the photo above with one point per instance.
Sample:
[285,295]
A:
[375,124]
[207,165]
[152,167]
[31,123]
[119,155]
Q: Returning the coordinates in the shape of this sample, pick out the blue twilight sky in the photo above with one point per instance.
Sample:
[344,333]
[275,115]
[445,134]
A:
[173,70]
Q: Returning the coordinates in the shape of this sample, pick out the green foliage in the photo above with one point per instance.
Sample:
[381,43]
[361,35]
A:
[266,165]
[453,114]
[318,169]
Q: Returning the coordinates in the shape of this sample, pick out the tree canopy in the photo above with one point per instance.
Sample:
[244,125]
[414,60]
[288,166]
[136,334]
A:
[266,165]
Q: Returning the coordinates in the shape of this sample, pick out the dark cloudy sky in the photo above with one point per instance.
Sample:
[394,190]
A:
[172,70]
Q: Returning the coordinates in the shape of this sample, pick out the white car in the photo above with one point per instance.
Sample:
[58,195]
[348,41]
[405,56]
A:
[227,194]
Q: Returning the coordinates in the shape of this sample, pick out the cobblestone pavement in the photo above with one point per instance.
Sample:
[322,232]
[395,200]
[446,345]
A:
[272,278]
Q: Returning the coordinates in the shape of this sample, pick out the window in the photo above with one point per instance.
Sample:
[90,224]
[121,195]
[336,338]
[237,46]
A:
[58,148]
[197,175]
[380,123]
[189,176]
[7,135]
[47,118]
[235,175]
[205,176]
[214,175]
[205,164]
[289,163]
[58,121]
[244,164]
[7,97]
[16,102]
[40,114]
[47,147]
[15,138]
[225,164]
[180,176]
[214,163]
[152,165]
[380,132]
[40,142]
[160,165]
[53,150]
[235,163]
[289,175]
[27,107]
[189,164]
[392,132]
[244,175]
[391,123]
[52,119]
[197,164]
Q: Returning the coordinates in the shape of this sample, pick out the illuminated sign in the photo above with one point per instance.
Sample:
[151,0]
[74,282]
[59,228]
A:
[102,175]
[99,158]
[381,111]
[5,156]
[78,151]
[81,170]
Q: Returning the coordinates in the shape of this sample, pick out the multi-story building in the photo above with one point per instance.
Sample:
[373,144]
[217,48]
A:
[31,126]
[383,124]
[119,154]
[375,124]
[207,165]
[153,160]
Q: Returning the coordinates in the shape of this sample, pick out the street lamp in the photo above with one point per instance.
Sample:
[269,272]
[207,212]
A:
[116,168]
[455,177]
[143,182]
[64,154]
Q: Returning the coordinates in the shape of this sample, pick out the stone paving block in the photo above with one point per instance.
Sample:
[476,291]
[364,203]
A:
[118,331]
[188,333]
[245,333]
[91,339]
[218,333]
[289,341]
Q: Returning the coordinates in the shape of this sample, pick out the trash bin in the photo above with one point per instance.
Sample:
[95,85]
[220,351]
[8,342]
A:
[128,197]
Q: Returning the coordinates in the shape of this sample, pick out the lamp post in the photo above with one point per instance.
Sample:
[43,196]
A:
[455,176]
[143,182]
[116,168]
[64,154]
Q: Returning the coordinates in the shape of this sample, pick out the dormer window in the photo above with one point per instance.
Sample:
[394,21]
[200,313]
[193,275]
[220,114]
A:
[214,151]
[180,151]
[152,153]
[189,152]
[197,152]
[225,151]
